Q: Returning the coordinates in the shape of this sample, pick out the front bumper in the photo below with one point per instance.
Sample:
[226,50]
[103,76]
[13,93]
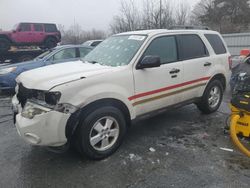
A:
[47,129]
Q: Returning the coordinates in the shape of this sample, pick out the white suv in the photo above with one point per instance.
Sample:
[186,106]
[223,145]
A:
[91,103]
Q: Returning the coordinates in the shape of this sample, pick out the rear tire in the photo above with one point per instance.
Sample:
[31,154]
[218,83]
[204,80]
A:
[211,98]
[4,45]
[100,133]
[50,43]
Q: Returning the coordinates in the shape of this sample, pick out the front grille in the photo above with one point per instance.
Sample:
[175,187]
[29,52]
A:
[23,94]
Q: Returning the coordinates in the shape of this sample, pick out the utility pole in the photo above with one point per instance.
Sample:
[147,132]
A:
[160,13]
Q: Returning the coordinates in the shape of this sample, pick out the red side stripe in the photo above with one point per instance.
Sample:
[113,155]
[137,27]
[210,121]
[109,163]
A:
[167,88]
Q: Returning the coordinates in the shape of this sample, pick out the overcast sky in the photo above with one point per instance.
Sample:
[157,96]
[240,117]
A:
[88,13]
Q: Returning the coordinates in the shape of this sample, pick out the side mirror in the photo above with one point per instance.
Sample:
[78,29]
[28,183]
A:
[149,62]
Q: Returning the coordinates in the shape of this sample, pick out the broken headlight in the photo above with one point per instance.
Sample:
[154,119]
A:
[30,110]
[50,98]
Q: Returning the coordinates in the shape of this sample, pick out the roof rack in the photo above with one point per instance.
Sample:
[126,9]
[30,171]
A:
[188,27]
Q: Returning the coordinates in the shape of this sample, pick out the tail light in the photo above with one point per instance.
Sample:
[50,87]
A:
[230,62]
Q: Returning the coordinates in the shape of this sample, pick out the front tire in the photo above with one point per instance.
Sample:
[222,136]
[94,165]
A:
[100,133]
[211,98]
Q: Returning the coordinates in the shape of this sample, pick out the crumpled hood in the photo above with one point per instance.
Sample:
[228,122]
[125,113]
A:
[50,76]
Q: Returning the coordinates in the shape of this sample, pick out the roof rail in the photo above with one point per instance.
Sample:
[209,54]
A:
[188,27]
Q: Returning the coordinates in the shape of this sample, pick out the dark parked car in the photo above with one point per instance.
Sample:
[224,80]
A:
[44,35]
[60,54]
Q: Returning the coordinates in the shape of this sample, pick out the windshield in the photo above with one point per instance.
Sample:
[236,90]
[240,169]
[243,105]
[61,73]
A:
[116,50]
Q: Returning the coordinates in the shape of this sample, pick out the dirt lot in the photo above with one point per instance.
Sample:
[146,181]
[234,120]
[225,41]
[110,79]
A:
[180,148]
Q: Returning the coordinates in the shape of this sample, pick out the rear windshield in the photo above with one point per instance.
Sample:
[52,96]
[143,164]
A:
[50,28]
[216,43]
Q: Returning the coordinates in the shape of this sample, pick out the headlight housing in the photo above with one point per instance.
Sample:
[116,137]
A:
[7,70]
[50,98]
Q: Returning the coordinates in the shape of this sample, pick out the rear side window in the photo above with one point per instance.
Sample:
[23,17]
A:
[95,43]
[38,27]
[50,28]
[164,47]
[25,27]
[216,43]
[191,46]
[68,53]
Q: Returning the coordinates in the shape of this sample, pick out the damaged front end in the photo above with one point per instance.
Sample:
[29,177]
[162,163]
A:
[35,102]
[40,118]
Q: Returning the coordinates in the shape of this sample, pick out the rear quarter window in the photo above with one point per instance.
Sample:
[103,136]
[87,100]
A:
[50,28]
[216,43]
[191,46]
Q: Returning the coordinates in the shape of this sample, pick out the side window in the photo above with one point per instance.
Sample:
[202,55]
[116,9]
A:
[50,28]
[164,47]
[38,27]
[65,54]
[216,43]
[25,27]
[84,51]
[191,46]
[95,43]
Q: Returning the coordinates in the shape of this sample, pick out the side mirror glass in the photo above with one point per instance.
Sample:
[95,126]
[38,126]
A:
[149,62]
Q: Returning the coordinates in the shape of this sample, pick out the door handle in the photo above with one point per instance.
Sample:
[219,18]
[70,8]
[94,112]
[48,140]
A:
[207,64]
[174,71]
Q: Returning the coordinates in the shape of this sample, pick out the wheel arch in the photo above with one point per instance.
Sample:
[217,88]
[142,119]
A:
[73,121]
[50,36]
[219,77]
[6,37]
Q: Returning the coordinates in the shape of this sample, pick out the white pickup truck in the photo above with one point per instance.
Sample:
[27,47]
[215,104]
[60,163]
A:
[91,103]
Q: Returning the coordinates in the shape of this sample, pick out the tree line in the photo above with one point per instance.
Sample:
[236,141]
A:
[225,16]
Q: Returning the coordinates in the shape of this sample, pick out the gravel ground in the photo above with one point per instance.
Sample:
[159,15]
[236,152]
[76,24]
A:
[180,148]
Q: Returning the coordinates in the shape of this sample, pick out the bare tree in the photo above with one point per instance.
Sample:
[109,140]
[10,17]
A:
[225,16]
[129,18]
[75,34]
[182,13]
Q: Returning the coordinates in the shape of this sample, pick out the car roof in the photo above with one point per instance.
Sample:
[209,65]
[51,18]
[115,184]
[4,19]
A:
[36,23]
[166,31]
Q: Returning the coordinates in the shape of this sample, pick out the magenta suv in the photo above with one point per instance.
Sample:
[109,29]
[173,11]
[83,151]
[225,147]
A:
[44,35]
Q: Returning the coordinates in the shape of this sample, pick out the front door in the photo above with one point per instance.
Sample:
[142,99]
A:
[158,87]
[23,33]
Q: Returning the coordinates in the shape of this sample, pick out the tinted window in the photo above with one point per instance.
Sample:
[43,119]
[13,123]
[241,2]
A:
[25,27]
[191,46]
[50,28]
[96,43]
[38,27]
[164,47]
[216,43]
[65,54]
[84,51]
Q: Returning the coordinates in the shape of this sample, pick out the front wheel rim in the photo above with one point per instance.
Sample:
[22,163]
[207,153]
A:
[104,133]
[214,97]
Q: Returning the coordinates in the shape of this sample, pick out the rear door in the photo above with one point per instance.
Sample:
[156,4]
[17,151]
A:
[158,87]
[38,33]
[196,64]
